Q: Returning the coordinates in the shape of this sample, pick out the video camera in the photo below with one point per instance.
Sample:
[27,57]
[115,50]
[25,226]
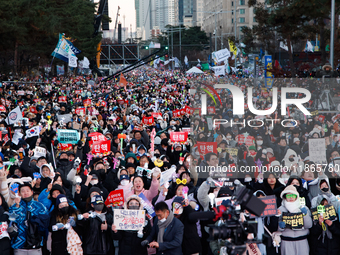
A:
[233,229]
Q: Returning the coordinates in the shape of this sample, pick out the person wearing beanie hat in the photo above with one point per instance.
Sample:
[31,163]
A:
[131,168]
[294,241]
[63,219]
[96,227]
[191,241]
[24,203]
[130,241]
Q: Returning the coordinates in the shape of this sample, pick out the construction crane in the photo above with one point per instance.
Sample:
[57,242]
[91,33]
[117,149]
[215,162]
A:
[114,33]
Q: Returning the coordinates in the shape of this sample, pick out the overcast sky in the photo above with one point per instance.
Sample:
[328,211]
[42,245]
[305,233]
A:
[127,8]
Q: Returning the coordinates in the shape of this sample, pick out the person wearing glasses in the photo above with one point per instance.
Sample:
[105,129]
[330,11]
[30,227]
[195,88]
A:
[293,241]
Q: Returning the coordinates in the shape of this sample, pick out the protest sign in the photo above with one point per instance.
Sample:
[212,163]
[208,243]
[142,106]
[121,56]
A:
[87,102]
[39,152]
[271,207]
[156,114]
[62,99]
[293,220]
[206,147]
[186,130]
[102,147]
[128,219]
[81,111]
[245,139]
[178,136]
[221,55]
[64,118]
[115,198]
[147,206]
[140,171]
[317,150]
[232,151]
[147,120]
[329,213]
[96,137]
[21,93]
[64,147]
[68,136]
[2,108]
[211,110]
[167,175]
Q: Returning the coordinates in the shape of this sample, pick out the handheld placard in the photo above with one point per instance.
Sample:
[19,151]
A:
[15,189]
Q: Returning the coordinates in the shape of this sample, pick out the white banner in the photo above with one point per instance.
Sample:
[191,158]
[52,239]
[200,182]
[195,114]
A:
[72,59]
[128,219]
[219,70]
[317,150]
[222,55]
[14,116]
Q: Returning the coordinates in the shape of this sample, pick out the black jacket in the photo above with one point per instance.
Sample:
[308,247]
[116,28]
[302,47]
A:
[191,241]
[5,243]
[96,241]
[130,243]
[326,246]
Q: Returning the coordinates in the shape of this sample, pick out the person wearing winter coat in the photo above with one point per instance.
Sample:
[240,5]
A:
[294,241]
[167,232]
[191,243]
[297,182]
[138,186]
[5,236]
[324,190]
[63,227]
[96,227]
[47,175]
[129,240]
[325,234]
[23,207]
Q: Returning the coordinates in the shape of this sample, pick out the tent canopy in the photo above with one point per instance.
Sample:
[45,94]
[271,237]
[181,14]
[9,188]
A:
[194,70]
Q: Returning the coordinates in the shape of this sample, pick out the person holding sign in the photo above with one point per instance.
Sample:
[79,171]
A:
[129,240]
[294,217]
[325,233]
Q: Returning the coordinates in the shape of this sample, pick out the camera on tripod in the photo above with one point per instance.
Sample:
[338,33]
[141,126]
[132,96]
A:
[233,230]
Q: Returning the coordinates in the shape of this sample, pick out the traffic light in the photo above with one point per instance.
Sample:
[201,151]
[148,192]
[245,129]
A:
[166,47]
[146,47]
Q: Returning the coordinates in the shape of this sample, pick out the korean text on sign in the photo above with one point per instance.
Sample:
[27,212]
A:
[128,219]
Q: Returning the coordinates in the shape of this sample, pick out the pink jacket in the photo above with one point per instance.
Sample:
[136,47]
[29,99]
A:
[149,194]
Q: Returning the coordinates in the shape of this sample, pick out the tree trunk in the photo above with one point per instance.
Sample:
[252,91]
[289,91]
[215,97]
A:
[291,61]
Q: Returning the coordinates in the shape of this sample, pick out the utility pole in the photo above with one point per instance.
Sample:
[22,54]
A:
[235,27]
[180,44]
[332,35]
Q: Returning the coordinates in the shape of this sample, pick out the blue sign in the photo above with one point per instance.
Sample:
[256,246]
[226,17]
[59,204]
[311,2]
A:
[268,76]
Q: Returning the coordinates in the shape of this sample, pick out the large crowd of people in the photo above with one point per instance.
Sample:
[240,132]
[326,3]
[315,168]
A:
[55,191]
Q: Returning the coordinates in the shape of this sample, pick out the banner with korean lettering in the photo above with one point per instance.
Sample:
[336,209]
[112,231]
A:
[329,213]
[245,139]
[271,207]
[96,137]
[128,219]
[62,99]
[178,136]
[81,111]
[147,120]
[64,147]
[101,148]
[156,114]
[293,220]
[87,102]
[115,198]
[68,136]
[206,147]
[268,76]
[211,110]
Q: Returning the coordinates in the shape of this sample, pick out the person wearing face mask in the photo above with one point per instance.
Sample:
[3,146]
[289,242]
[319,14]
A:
[99,219]
[63,227]
[167,232]
[325,234]
[324,190]
[294,241]
[130,241]
[125,184]
[26,207]
[93,180]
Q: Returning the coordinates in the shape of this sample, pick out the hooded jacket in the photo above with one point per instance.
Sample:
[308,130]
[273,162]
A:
[332,199]
[46,180]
